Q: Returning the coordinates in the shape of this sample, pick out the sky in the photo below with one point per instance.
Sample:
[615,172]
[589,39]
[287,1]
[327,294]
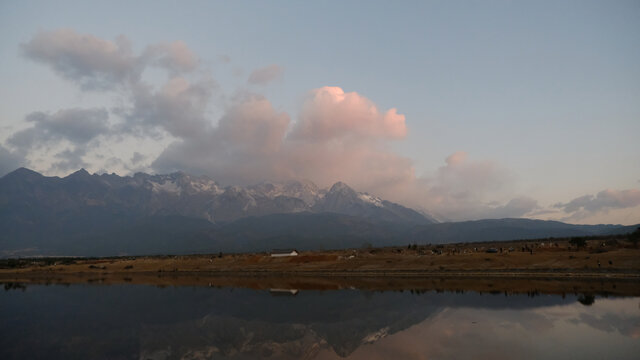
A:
[463,109]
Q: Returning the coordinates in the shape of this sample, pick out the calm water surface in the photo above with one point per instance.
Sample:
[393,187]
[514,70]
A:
[145,322]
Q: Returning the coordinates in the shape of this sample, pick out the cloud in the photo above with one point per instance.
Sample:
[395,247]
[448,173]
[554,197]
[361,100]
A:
[244,147]
[604,201]
[175,57]
[253,127]
[343,136]
[69,160]
[97,64]
[78,126]
[254,142]
[336,136]
[330,113]
[463,179]
[9,161]
[137,158]
[265,75]
[178,107]
[91,62]
[466,189]
[516,207]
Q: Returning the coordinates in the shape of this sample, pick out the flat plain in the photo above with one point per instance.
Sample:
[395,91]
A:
[609,267]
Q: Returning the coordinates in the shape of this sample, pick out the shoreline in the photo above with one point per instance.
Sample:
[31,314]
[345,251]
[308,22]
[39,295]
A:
[510,286]
[531,283]
[506,273]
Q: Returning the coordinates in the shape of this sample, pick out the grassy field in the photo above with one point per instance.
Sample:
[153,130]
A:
[609,266]
[597,257]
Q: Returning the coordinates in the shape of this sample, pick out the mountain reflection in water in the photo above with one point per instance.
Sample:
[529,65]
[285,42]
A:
[145,322]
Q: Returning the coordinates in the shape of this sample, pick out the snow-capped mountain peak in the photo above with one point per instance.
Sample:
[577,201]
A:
[182,194]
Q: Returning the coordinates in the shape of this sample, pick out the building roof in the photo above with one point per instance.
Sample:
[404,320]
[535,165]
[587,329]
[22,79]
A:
[283,251]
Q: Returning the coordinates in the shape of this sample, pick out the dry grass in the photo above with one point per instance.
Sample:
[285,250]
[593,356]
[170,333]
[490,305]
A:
[382,268]
[422,259]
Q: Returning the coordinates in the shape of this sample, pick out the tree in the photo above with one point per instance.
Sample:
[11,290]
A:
[578,242]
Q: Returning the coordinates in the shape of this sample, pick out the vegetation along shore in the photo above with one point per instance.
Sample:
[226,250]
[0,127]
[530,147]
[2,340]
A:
[554,265]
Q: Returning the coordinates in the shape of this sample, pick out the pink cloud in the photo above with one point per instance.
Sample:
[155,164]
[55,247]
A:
[329,113]
[175,56]
[250,144]
[456,158]
[255,126]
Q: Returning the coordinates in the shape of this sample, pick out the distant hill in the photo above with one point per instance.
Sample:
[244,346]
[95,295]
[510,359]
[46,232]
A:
[507,229]
[101,215]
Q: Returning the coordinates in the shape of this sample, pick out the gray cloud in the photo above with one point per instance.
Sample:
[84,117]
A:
[69,160]
[602,202]
[176,57]
[243,148]
[465,189]
[97,64]
[463,179]
[516,207]
[179,107]
[78,126]
[265,75]
[137,158]
[91,62]
[9,161]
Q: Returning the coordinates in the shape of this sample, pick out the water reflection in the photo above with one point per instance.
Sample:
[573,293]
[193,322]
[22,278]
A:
[144,322]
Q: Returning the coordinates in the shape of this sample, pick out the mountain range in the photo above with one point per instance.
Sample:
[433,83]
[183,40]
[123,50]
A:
[100,215]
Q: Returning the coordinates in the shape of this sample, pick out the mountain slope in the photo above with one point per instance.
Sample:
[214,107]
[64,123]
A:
[100,215]
[84,214]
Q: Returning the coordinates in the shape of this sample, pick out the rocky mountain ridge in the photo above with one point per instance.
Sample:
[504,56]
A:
[202,197]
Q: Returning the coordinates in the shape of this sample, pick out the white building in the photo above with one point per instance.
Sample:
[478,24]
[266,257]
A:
[284,252]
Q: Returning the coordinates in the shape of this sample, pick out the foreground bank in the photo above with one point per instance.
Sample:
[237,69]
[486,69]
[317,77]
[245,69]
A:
[399,268]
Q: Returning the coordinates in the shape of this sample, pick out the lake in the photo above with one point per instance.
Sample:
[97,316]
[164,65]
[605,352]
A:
[127,321]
